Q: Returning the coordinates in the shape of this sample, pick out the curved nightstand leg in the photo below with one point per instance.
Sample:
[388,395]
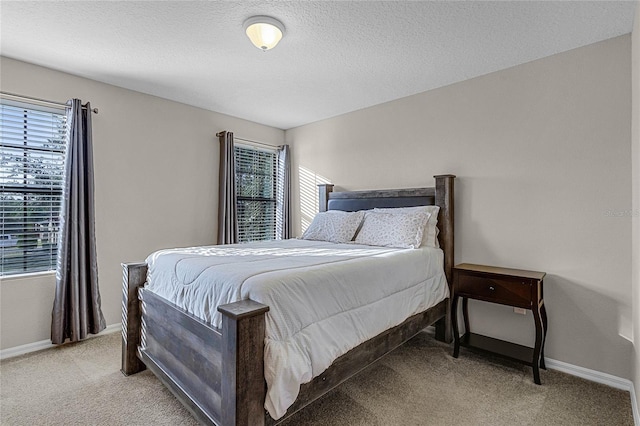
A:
[465,315]
[537,350]
[543,311]
[454,324]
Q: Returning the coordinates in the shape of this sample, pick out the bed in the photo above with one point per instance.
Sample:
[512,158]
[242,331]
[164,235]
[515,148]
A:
[216,367]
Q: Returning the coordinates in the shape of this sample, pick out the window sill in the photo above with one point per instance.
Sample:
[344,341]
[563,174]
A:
[27,276]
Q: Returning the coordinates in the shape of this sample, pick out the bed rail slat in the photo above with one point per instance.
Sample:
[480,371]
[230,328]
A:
[165,375]
[182,372]
[203,355]
[170,313]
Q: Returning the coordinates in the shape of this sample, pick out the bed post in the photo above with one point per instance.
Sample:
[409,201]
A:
[243,389]
[134,276]
[323,196]
[444,199]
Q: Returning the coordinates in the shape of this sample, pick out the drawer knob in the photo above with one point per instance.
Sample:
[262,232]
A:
[492,288]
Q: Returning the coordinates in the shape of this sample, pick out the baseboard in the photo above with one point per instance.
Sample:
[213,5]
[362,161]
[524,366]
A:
[598,377]
[591,375]
[634,405]
[46,344]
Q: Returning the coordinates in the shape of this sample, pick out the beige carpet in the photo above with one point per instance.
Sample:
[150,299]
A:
[418,384]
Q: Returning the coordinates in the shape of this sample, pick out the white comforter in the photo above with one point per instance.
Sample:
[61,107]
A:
[324,298]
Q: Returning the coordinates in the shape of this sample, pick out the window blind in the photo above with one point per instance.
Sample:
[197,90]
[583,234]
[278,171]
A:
[255,193]
[32,152]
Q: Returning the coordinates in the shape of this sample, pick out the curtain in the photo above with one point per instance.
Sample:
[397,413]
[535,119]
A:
[76,307]
[283,210]
[227,215]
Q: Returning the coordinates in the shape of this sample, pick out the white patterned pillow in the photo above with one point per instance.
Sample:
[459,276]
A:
[402,230]
[334,226]
[430,236]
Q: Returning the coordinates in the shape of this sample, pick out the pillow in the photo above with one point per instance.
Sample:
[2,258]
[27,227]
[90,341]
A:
[402,230]
[334,226]
[430,236]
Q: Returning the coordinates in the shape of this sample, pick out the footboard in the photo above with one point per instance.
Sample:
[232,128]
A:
[218,374]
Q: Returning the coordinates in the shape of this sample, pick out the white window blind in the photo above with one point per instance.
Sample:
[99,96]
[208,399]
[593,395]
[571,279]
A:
[256,179]
[32,151]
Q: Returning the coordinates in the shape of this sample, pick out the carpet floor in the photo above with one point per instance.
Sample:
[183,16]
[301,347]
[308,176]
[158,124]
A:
[417,384]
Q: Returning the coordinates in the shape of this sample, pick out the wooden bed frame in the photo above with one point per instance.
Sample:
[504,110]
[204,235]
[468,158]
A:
[218,374]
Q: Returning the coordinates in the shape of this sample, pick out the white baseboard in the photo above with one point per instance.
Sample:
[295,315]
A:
[592,375]
[634,405]
[46,344]
[598,377]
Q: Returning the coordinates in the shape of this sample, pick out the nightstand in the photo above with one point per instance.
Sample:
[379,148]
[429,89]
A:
[512,287]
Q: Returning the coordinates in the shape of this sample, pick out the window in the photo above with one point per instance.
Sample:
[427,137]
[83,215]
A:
[256,189]
[32,151]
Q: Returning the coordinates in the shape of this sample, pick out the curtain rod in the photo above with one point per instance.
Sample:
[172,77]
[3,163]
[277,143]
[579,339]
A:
[44,102]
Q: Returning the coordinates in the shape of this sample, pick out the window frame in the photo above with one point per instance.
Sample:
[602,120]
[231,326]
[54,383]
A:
[273,201]
[33,264]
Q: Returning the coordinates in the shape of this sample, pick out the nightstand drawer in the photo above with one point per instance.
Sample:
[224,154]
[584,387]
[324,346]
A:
[495,289]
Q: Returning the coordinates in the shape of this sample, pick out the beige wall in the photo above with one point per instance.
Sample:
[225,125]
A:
[542,154]
[635,236]
[156,165]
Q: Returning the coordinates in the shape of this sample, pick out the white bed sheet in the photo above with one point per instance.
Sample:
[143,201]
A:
[324,298]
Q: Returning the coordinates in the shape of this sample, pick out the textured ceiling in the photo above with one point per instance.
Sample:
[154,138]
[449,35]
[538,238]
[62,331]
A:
[336,56]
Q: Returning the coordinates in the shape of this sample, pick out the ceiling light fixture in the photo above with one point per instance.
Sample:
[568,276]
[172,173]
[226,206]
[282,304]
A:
[264,32]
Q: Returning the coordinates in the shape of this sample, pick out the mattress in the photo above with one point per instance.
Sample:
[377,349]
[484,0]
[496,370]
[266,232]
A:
[324,298]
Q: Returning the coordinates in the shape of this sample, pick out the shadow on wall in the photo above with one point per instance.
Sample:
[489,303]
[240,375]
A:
[591,324]
[308,181]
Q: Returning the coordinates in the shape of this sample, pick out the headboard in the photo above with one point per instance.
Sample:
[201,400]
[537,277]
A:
[440,195]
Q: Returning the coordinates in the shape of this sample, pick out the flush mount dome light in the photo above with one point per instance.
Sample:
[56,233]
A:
[264,32]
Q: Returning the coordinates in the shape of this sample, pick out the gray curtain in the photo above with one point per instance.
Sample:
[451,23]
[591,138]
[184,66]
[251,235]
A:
[283,211]
[76,307]
[227,215]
